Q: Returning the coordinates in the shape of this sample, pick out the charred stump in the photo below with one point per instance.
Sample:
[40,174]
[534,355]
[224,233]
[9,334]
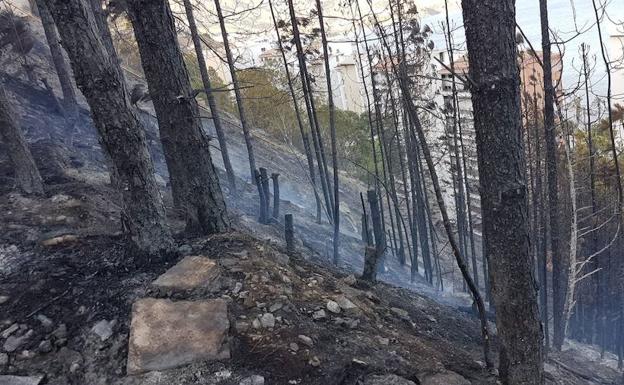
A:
[276,195]
[263,201]
[289,232]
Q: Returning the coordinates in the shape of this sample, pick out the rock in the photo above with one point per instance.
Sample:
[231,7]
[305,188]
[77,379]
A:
[60,332]
[166,334]
[237,288]
[10,330]
[333,307]
[350,280]
[4,359]
[252,380]
[401,313]
[103,329]
[45,346]
[256,324]
[4,299]
[319,315]
[443,378]
[267,320]
[45,321]
[26,355]
[294,347]
[275,307]
[190,273]
[387,379]
[13,343]
[73,368]
[383,340]
[345,303]
[315,361]
[306,340]
[19,380]
[241,326]
[185,249]
[55,241]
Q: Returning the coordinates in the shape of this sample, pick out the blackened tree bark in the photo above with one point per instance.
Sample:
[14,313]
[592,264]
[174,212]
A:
[237,93]
[212,103]
[490,36]
[559,269]
[27,175]
[100,80]
[332,129]
[194,180]
[304,136]
[101,20]
[60,65]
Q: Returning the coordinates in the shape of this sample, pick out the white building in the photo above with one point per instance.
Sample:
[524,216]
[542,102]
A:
[616,55]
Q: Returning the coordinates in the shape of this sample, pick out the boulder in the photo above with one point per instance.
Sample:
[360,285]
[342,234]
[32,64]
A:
[192,272]
[166,334]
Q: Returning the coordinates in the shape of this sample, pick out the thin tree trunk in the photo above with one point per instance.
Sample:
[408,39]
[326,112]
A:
[403,78]
[304,137]
[237,94]
[559,268]
[70,108]
[490,35]
[214,110]
[311,110]
[122,136]
[332,129]
[27,175]
[194,180]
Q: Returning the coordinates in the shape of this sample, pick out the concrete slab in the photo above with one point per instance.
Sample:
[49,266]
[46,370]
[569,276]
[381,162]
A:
[192,272]
[166,334]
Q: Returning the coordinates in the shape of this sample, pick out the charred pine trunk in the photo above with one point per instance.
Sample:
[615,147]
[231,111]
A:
[27,175]
[99,78]
[212,103]
[304,136]
[194,180]
[371,263]
[237,94]
[490,35]
[276,195]
[70,108]
[266,191]
[559,266]
[289,232]
[332,129]
[264,210]
[311,111]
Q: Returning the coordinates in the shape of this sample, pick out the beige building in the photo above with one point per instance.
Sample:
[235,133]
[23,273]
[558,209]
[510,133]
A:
[616,55]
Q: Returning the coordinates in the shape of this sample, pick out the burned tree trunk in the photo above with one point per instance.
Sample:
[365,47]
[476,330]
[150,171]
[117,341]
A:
[559,268]
[332,129]
[27,175]
[100,80]
[194,180]
[60,65]
[304,136]
[276,195]
[212,103]
[264,175]
[264,210]
[289,232]
[490,35]
[372,255]
[237,93]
